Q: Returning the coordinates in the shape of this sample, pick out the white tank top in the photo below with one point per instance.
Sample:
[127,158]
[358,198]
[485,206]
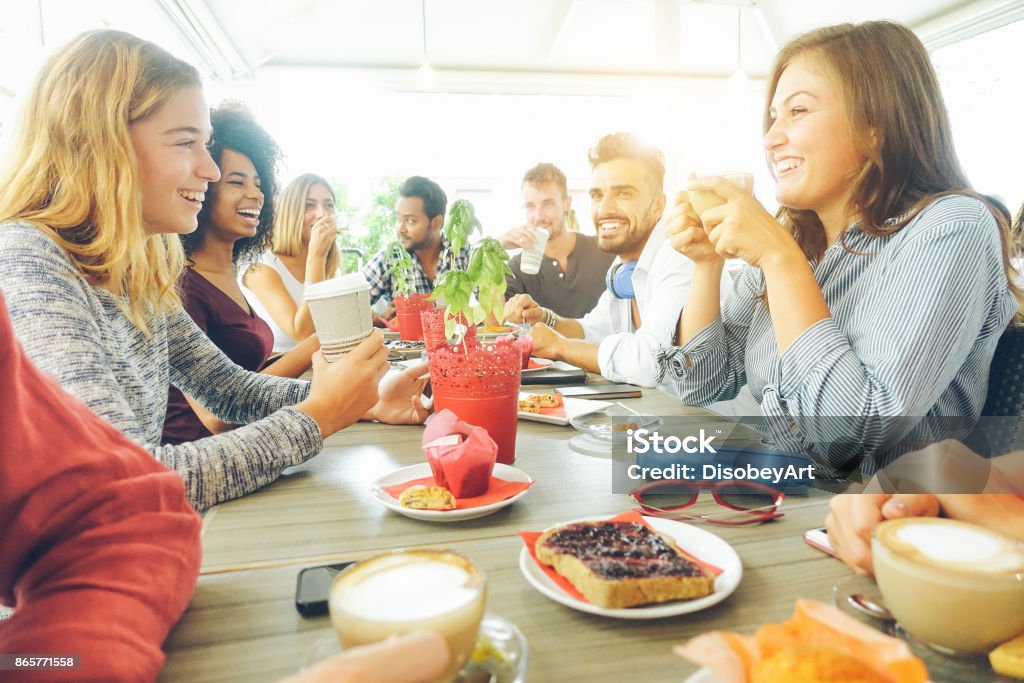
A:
[282,342]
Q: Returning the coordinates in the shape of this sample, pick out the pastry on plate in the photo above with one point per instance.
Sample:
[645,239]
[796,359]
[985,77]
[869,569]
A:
[421,497]
[622,564]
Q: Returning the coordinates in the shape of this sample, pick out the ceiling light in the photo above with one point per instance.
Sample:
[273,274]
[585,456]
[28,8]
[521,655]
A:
[739,82]
[426,77]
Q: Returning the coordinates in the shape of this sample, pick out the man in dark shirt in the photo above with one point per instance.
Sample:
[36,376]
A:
[572,272]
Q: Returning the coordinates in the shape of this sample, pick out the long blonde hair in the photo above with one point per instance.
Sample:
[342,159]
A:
[898,121]
[74,174]
[290,215]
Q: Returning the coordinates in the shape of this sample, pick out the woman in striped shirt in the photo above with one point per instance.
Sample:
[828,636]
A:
[876,296]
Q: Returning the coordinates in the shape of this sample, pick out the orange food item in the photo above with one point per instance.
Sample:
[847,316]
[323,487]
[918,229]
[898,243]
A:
[813,666]
[818,644]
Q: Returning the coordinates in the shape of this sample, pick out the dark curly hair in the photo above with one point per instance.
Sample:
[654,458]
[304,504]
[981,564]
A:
[235,128]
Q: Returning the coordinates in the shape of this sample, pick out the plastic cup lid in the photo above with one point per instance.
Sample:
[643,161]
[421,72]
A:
[346,284]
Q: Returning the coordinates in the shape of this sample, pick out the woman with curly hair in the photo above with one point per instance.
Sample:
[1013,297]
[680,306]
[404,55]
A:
[234,228]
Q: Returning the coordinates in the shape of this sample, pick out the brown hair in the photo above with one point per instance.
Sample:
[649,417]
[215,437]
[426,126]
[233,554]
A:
[547,173]
[630,146]
[544,173]
[898,121]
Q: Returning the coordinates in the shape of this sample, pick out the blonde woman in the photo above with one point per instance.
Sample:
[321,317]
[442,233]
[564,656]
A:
[303,252]
[109,167]
[877,295]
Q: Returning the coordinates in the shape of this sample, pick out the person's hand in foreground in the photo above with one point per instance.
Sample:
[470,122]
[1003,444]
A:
[521,308]
[400,397]
[853,517]
[521,237]
[342,392]
[416,657]
[547,343]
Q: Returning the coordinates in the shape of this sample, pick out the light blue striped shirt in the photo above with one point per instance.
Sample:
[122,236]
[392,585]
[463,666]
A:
[916,316]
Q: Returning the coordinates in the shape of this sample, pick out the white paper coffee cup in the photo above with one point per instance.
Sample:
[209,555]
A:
[702,200]
[341,313]
[531,257]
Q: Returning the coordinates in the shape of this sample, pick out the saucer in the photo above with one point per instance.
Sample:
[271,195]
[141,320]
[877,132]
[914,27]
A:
[377,492]
[501,651]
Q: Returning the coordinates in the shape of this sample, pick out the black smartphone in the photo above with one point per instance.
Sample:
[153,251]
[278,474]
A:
[313,587]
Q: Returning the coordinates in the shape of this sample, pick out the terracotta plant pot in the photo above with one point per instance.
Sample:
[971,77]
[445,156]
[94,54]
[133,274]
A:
[432,322]
[407,310]
[480,383]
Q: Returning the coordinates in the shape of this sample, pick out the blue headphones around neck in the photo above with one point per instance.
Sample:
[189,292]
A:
[619,280]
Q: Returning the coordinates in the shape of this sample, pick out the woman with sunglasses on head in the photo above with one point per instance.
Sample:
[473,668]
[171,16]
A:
[877,294]
[303,252]
[109,167]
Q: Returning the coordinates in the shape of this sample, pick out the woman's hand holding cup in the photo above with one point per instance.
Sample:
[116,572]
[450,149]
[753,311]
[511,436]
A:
[343,391]
[686,233]
[740,227]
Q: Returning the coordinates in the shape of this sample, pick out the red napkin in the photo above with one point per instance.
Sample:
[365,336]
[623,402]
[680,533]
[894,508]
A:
[530,539]
[499,490]
[461,455]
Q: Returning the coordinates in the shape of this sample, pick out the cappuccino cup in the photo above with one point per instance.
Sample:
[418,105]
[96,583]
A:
[411,590]
[702,200]
[955,586]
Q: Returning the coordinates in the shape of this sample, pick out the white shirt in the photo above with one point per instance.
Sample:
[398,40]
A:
[661,281]
[282,342]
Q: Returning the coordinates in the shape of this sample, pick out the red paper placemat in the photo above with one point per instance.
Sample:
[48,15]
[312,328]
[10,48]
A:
[499,490]
[530,539]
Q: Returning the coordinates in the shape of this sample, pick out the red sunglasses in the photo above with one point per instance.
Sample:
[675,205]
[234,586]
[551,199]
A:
[750,501]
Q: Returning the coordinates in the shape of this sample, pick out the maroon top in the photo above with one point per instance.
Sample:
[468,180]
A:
[241,334]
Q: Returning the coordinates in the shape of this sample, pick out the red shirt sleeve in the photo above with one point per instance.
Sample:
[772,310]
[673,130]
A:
[99,552]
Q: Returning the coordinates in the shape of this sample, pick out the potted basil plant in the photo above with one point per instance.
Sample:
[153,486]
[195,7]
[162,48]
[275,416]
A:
[479,382]
[408,303]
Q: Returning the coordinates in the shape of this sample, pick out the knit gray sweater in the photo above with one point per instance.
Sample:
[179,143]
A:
[79,334]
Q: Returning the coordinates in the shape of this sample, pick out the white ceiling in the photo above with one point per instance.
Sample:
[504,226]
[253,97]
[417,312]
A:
[658,38]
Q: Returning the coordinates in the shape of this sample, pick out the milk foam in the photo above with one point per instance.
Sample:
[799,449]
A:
[949,544]
[409,592]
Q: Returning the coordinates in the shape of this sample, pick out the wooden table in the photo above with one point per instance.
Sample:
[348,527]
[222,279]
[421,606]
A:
[242,623]
[323,509]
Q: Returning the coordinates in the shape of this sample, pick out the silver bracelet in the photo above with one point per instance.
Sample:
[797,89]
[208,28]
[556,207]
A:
[552,319]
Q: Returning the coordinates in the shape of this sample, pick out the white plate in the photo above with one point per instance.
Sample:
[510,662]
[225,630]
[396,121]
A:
[694,540]
[574,407]
[377,492]
[703,676]
[542,364]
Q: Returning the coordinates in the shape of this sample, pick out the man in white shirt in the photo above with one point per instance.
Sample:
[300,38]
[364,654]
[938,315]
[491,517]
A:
[647,283]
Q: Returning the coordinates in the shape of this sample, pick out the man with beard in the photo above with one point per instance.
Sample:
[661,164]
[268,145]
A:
[571,276]
[420,211]
[645,286]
